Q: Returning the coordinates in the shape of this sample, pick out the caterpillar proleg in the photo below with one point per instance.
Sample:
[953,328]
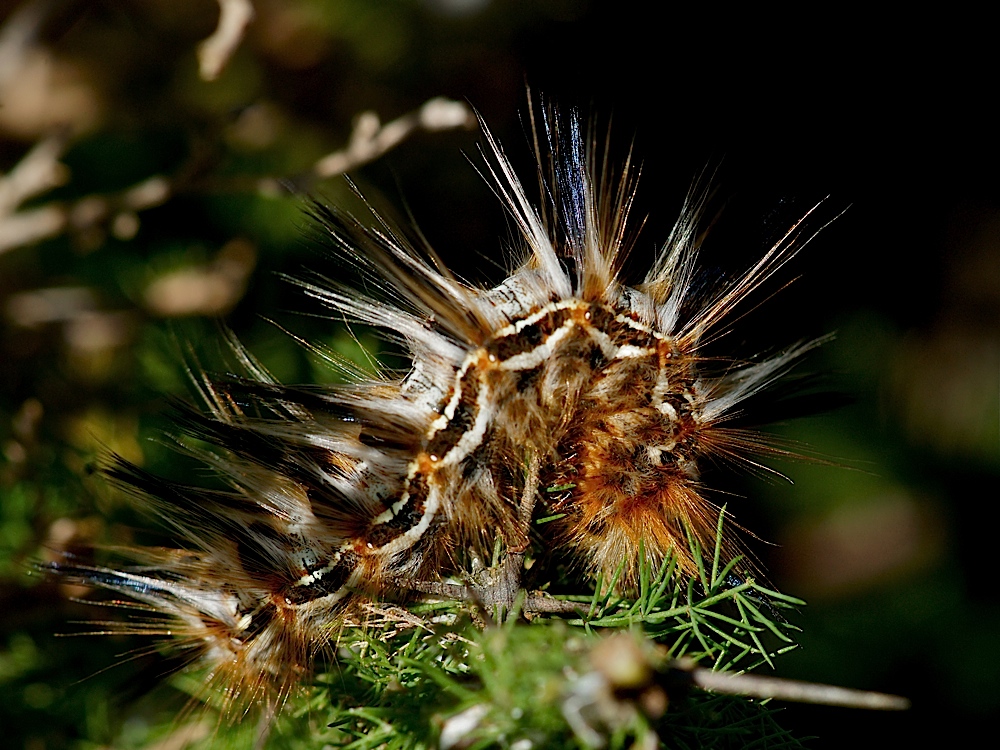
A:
[561,391]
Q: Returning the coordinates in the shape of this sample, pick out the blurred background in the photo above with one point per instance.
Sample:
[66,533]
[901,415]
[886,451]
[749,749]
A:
[150,159]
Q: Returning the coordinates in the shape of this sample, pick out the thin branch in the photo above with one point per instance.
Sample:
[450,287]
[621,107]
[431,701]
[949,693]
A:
[215,51]
[542,604]
[33,225]
[93,211]
[37,172]
[370,139]
[40,170]
[790,690]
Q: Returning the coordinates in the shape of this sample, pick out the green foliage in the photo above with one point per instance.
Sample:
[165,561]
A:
[517,683]
[447,674]
[718,618]
[431,675]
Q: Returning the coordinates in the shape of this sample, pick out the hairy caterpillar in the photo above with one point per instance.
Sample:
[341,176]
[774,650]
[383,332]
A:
[561,377]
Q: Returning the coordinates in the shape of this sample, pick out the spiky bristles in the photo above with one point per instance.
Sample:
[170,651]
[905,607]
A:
[340,495]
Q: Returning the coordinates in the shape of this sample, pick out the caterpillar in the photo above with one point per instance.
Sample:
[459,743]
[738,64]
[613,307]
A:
[562,377]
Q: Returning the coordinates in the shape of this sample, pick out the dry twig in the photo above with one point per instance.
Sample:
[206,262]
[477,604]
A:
[215,51]
[40,171]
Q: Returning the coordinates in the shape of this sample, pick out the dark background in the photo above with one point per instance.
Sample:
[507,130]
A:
[890,541]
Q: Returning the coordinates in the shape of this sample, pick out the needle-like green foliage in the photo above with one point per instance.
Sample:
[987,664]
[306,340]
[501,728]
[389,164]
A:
[432,676]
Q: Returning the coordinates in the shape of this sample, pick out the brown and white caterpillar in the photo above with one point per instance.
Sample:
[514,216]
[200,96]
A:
[561,376]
